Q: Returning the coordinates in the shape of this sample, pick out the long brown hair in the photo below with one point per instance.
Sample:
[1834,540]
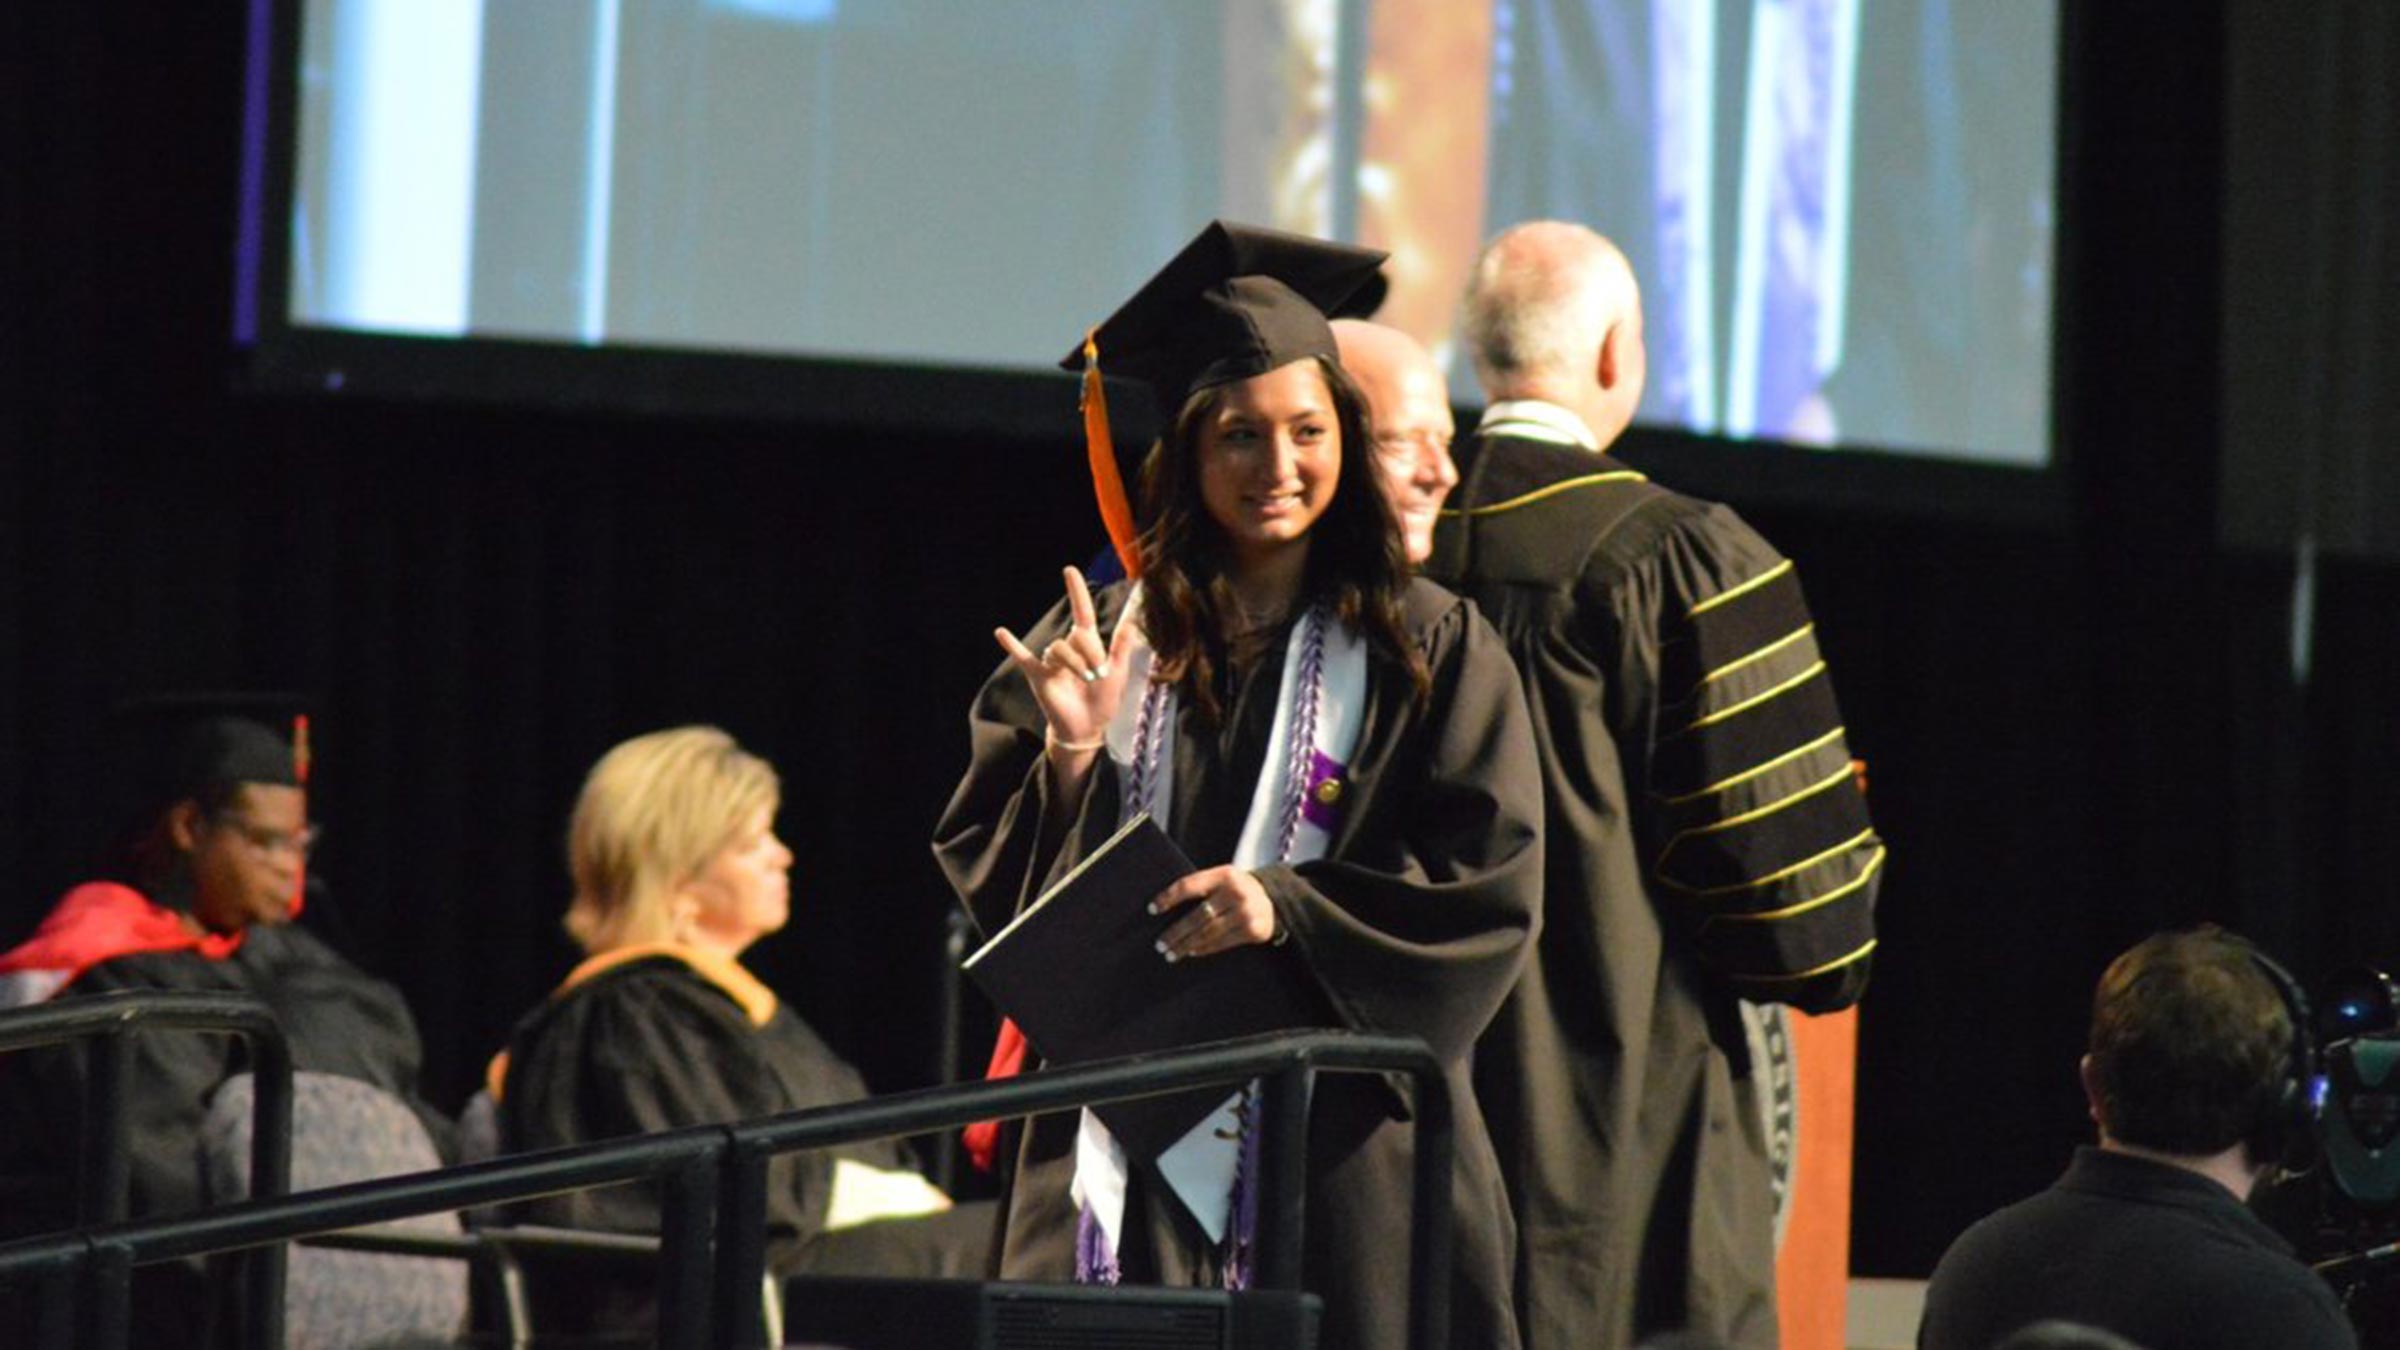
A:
[1356,563]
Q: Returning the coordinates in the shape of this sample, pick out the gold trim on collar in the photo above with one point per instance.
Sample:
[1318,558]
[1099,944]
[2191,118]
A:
[758,1002]
[1587,480]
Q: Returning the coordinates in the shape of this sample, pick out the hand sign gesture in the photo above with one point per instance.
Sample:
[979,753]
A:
[1077,679]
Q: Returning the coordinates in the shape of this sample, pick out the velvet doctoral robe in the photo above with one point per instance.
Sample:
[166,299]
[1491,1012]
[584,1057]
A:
[1705,843]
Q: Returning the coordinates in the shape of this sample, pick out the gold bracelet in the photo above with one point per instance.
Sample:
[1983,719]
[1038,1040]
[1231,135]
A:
[1050,742]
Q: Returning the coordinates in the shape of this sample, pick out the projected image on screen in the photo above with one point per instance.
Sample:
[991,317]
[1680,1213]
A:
[1840,209]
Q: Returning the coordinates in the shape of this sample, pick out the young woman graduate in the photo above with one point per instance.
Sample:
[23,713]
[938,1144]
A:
[1342,750]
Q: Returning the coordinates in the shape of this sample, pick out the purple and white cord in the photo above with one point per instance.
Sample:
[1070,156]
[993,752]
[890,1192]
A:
[1095,1261]
[1303,749]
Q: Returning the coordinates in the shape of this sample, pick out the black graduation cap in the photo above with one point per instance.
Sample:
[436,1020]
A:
[174,746]
[1369,297]
[1238,301]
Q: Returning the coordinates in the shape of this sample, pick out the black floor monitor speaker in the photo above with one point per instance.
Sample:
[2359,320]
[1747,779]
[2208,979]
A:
[891,1314]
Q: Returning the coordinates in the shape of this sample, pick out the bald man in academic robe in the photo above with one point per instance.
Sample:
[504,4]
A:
[1709,844]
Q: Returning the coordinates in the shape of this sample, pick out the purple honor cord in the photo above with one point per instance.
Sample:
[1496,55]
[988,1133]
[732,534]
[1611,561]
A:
[1095,1262]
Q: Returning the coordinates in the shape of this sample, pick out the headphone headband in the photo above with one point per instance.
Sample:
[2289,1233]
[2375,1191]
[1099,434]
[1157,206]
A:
[2290,1126]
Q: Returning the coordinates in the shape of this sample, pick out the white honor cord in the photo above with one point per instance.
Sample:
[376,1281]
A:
[1200,1168]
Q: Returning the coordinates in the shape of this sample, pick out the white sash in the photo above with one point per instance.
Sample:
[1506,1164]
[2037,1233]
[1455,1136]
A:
[24,988]
[1201,1167]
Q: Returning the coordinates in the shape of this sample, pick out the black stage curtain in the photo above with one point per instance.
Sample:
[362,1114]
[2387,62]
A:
[2311,261]
[2076,732]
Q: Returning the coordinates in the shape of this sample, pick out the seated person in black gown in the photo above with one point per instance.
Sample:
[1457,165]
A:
[199,896]
[677,871]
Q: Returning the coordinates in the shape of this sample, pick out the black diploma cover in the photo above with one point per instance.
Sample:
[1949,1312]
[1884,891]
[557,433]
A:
[1080,972]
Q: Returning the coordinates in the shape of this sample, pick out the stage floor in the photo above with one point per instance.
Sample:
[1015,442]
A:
[1883,1314]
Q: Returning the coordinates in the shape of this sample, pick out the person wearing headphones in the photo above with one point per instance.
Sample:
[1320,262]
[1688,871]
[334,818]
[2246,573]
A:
[2198,1078]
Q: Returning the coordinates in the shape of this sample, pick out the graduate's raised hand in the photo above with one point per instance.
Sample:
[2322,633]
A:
[1221,908]
[1077,678]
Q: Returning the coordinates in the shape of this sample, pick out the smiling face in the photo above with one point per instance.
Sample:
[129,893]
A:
[1418,474]
[1412,423]
[1270,457]
[745,891]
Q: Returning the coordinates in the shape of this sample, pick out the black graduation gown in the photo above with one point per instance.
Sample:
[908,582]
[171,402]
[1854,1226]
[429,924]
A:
[1705,842]
[1415,922]
[651,1045]
[338,1020]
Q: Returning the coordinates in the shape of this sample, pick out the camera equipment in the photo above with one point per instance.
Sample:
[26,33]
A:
[2360,1129]
[2343,1211]
[2360,1001]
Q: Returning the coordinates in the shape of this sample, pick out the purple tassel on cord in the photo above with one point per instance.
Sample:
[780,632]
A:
[1094,1262]
[1296,776]
[1241,1246]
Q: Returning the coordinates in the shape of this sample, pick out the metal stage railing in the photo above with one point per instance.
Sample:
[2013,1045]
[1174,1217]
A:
[713,1184]
[103,1173]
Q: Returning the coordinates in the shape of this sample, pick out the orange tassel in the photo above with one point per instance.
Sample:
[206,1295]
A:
[303,757]
[1116,512]
[1009,1048]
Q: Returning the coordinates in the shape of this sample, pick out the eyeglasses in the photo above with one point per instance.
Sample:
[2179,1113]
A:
[298,843]
[1411,446]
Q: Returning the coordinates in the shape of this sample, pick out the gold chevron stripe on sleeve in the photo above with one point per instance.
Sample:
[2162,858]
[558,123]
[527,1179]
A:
[1747,774]
[1754,700]
[1826,969]
[1772,877]
[1755,813]
[1865,874]
[1745,588]
[1760,655]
